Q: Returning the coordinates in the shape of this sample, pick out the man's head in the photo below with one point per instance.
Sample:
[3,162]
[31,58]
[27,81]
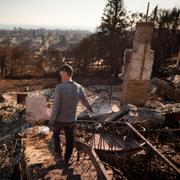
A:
[66,72]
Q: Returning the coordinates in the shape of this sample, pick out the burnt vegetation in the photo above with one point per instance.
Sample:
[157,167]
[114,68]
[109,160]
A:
[38,53]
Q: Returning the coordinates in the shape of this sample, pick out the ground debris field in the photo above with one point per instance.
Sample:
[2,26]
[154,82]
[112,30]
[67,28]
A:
[158,121]
[22,84]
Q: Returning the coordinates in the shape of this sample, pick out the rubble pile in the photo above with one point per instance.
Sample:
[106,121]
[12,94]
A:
[11,122]
[10,112]
[159,117]
[161,120]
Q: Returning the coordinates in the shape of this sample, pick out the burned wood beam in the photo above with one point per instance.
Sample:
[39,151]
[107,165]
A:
[168,130]
[116,116]
[156,150]
[102,174]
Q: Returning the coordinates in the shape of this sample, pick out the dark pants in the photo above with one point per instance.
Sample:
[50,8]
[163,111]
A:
[69,136]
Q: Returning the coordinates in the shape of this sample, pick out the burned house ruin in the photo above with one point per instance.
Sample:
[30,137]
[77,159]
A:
[138,141]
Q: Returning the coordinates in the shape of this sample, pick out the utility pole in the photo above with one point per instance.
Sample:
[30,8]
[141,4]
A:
[147,12]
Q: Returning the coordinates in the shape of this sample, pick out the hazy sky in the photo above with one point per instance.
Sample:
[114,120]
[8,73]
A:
[84,14]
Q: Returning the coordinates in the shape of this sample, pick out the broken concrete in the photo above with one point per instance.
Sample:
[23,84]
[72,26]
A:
[37,110]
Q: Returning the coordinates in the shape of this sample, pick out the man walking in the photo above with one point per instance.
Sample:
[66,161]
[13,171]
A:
[67,96]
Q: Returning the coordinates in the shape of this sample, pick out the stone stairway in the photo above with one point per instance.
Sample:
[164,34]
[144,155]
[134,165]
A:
[40,162]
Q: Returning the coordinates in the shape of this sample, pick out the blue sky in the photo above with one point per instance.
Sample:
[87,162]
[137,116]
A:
[82,14]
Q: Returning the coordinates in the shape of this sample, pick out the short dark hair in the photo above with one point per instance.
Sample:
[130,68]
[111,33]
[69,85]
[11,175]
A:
[67,68]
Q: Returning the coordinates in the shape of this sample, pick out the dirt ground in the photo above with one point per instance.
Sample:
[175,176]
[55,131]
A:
[7,85]
[21,85]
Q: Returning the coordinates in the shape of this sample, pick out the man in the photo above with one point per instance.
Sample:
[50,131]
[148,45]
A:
[67,96]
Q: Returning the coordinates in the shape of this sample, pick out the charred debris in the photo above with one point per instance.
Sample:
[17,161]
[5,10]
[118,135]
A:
[153,152]
[134,136]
